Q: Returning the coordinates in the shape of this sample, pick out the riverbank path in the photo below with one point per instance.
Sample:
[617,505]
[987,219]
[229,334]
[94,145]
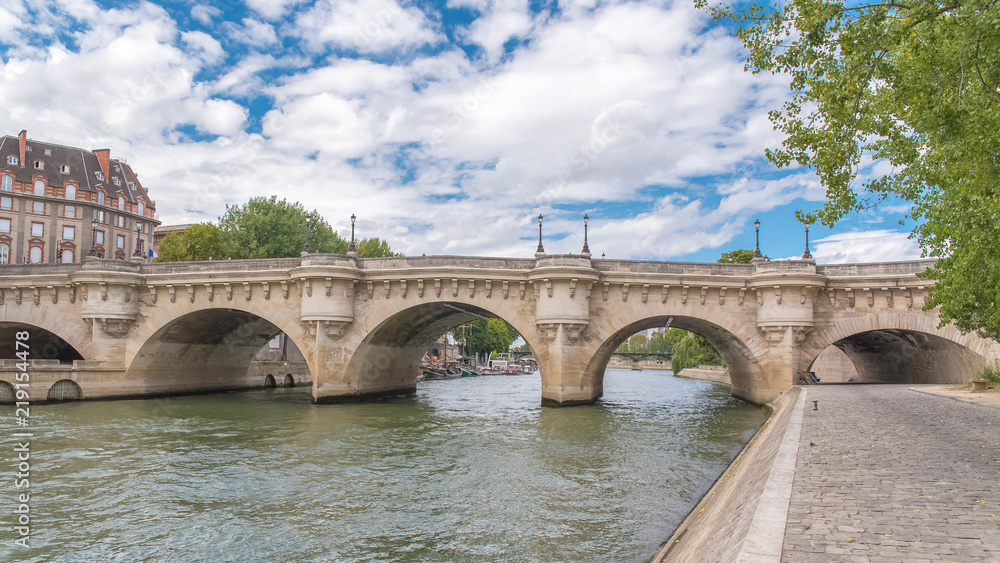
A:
[885,473]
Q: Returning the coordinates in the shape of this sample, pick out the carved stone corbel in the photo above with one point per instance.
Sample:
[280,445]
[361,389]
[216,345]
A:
[505,290]
[739,299]
[908,297]
[228,288]
[420,287]
[777,294]
[607,288]
[888,296]
[128,293]
[284,290]
[36,294]
[370,289]
[247,291]
[572,331]
[773,334]
[664,290]
[190,289]
[548,286]
[437,287]
[115,328]
[152,294]
[328,284]
[760,296]
[645,292]
[832,294]
[209,292]
[799,333]
[850,297]
[520,291]
[472,288]
[72,295]
[489,288]
[266,286]
[870,295]
[309,287]
[804,294]
[722,295]
[402,288]
[332,329]
[386,288]
[921,288]
[572,288]
[55,293]
[18,295]
[104,290]
[454,287]
[172,292]
[684,294]
[549,331]
[704,294]
[625,292]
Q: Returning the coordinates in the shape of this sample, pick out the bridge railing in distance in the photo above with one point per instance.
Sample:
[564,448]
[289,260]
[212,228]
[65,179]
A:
[475,262]
[646,267]
[908,267]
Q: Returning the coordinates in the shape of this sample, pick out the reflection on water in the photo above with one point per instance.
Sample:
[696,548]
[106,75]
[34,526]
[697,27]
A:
[468,470]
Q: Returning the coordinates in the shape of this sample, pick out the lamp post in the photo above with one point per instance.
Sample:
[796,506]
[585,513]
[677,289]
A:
[540,250]
[807,255]
[138,243]
[306,249]
[93,242]
[353,247]
[586,247]
[756,246]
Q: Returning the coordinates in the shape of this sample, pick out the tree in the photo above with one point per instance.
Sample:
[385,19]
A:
[916,86]
[740,256]
[637,344]
[373,248]
[692,350]
[197,242]
[268,228]
[658,343]
[483,336]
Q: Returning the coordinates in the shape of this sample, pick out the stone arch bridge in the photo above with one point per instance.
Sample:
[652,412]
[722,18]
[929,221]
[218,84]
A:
[119,329]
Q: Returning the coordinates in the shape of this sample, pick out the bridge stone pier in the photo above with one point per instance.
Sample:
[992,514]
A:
[109,328]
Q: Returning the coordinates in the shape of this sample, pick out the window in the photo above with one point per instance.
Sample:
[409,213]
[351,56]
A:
[121,202]
[98,237]
[48,152]
[69,233]
[39,165]
[11,159]
[70,191]
[121,241]
[4,253]
[6,203]
[39,187]
[142,209]
[38,207]
[100,198]
[37,229]
[64,169]
[35,255]
[100,175]
[69,211]
[120,221]
[116,181]
[67,256]
[4,225]
[7,184]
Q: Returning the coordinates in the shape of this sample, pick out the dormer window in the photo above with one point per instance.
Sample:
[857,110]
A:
[121,202]
[11,159]
[64,169]
[6,183]
[142,209]
[100,175]
[116,181]
[48,152]
[100,198]
[39,187]
[70,191]
[39,165]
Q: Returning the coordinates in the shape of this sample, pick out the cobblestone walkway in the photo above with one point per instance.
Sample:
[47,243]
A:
[888,474]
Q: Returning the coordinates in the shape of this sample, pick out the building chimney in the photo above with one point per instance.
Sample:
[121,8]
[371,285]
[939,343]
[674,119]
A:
[104,157]
[22,141]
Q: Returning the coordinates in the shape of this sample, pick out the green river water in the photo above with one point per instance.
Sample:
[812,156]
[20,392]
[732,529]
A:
[467,470]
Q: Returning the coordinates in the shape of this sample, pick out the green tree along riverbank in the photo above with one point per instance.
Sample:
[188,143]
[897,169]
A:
[485,336]
[913,85]
[688,349]
[263,228]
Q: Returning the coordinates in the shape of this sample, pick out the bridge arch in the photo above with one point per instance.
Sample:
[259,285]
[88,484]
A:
[903,348]
[63,343]
[387,358]
[744,369]
[203,350]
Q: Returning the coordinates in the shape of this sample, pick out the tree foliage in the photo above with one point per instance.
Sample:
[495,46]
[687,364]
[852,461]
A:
[483,336]
[915,86]
[198,242]
[740,256]
[692,350]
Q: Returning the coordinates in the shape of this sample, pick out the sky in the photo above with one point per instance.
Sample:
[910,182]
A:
[445,126]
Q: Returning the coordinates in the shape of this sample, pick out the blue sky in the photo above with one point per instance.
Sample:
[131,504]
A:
[445,126]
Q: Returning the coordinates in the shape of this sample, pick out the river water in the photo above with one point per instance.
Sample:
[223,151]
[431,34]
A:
[467,470]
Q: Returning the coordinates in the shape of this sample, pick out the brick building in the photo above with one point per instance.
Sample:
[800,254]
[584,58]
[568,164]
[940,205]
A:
[57,203]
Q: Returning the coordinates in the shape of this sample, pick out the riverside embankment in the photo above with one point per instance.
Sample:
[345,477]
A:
[866,473]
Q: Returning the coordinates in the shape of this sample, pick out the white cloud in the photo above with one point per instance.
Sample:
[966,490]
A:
[271,9]
[203,46]
[205,14]
[369,26]
[867,246]
[252,32]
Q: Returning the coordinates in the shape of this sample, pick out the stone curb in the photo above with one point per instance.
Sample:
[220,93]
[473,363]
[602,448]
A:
[962,399]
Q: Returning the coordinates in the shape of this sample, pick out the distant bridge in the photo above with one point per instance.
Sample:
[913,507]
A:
[112,328]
